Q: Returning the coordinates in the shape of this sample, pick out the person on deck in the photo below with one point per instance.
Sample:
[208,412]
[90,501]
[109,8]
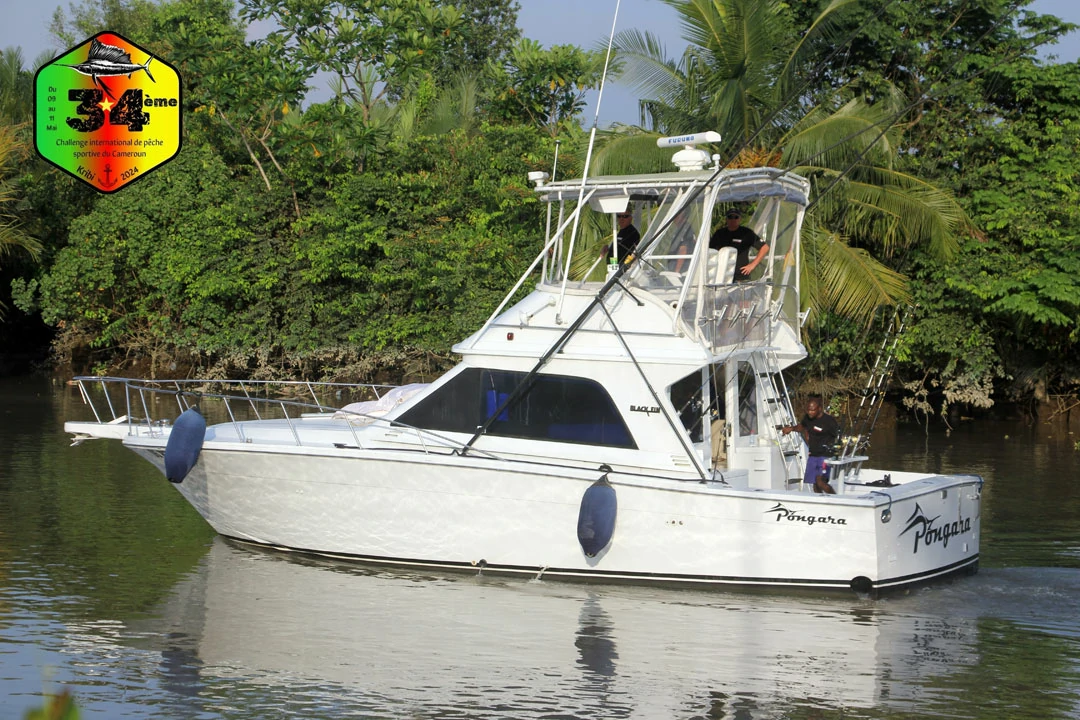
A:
[627,238]
[821,431]
[733,234]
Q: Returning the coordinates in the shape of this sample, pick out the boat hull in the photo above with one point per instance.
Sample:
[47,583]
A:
[468,512]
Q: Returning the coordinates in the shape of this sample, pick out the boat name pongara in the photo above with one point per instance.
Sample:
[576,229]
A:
[783,513]
[930,535]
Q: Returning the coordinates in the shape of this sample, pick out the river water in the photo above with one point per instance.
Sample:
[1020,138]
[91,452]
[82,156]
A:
[112,587]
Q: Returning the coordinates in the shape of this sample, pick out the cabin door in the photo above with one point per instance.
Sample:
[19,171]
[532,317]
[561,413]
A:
[717,417]
[699,401]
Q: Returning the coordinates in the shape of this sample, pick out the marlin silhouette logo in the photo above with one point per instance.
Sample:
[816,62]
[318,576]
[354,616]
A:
[928,533]
[108,61]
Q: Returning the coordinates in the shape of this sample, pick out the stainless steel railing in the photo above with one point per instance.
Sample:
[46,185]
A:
[237,402]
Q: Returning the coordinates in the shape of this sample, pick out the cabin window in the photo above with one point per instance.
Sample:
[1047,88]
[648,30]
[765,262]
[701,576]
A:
[686,399]
[555,407]
[676,245]
[748,415]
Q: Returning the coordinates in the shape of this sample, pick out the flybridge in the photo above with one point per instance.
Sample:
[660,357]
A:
[676,213]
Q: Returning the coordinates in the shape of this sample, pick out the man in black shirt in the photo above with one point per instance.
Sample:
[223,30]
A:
[627,238]
[733,234]
[821,432]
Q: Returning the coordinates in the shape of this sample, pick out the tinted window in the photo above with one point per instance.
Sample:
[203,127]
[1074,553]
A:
[686,397]
[554,407]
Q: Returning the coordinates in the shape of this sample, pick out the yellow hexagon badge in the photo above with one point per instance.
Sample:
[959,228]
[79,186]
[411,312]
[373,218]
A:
[107,112]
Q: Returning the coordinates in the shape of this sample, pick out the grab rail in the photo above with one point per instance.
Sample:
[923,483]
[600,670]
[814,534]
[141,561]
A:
[247,394]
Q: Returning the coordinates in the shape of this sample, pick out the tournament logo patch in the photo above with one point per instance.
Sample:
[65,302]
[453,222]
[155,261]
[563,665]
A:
[107,112]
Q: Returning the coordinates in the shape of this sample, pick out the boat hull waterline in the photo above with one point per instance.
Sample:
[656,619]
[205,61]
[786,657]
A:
[505,517]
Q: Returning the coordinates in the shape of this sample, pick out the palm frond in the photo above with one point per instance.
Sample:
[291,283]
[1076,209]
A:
[645,66]
[849,135]
[12,237]
[899,210]
[630,152]
[846,280]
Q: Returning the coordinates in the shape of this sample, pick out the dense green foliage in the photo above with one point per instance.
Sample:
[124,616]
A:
[368,232]
[1009,305]
[262,249]
[197,262]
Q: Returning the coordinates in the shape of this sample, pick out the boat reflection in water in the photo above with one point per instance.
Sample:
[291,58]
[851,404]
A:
[251,622]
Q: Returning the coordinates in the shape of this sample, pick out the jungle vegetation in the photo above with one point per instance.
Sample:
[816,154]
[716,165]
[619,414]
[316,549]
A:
[359,236]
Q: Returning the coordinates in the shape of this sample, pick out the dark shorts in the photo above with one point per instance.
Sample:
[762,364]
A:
[815,466]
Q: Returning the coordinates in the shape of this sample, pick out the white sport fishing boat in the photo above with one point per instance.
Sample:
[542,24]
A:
[623,429]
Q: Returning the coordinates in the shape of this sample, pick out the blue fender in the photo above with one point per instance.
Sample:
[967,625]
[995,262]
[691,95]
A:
[185,442]
[596,518]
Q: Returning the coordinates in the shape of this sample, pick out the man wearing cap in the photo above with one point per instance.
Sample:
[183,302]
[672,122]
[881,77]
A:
[628,237]
[733,234]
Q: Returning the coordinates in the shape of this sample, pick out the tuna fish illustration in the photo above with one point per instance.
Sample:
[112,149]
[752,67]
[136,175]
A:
[108,60]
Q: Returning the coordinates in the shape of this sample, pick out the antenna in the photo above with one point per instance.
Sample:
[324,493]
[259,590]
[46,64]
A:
[547,227]
[588,161]
[689,159]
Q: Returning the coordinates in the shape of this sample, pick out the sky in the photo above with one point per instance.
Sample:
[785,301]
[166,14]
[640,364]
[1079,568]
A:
[586,23]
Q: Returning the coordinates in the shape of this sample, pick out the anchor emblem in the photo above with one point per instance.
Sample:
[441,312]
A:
[105,183]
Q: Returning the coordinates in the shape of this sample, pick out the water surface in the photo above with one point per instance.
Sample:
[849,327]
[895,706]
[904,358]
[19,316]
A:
[111,586]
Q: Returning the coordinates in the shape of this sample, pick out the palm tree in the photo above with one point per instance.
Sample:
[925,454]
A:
[745,74]
[451,106]
[17,86]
